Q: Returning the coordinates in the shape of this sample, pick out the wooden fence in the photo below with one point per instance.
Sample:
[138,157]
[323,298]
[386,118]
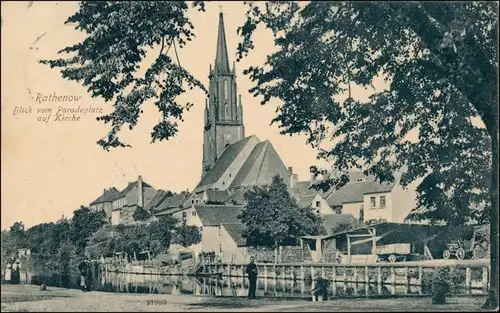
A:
[475,275]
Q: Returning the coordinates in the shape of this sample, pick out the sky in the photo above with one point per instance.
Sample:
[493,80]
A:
[50,169]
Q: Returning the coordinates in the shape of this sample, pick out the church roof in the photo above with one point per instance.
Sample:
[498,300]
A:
[222,164]
[221,57]
[108,196]
[257,168]
[215,215]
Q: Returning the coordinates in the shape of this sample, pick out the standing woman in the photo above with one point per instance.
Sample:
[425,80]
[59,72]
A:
[16,277]
[8,273]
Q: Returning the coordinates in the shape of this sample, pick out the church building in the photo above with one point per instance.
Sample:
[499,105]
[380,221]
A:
[232,161]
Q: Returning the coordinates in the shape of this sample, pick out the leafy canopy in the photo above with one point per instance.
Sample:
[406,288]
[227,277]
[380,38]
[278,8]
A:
[272,217]
[119,37]
[440,63]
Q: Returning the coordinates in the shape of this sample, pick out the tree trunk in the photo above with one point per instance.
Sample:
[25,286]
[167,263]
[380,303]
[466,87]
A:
[492,300]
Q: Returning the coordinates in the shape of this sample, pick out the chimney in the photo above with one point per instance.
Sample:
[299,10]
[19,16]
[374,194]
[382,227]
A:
[293,177]
[140,200]
[104,190]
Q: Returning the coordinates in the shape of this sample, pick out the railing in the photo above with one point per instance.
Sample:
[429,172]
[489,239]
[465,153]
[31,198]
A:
[380,273]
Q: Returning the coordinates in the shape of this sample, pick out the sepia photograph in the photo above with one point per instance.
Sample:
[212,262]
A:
[245,156]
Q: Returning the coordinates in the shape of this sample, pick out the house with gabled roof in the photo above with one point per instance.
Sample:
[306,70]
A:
[367,199]
[105,201]
[308,197]
[137,194]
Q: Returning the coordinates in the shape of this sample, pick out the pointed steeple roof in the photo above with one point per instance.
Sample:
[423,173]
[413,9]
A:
[221,58]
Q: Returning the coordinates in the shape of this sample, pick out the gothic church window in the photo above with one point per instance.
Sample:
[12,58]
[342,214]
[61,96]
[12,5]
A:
[226,110]
[225,89]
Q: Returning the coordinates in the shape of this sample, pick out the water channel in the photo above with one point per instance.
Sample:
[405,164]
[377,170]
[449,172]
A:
[225,286]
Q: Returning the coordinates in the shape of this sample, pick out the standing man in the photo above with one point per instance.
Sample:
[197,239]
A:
[253,273]
[84,269]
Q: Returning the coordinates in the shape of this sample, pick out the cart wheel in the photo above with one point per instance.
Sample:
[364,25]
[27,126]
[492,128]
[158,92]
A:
[460,254]
[392,258]
[446,254]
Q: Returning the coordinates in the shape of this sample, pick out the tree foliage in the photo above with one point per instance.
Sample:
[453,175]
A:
[140,214]
[187,235]
[345,225]
[272,217]
[440,62]
[83,224]
[119,35]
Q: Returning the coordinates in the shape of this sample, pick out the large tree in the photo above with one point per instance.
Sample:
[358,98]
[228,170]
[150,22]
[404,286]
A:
[440,62]
[273,218]
[83,224]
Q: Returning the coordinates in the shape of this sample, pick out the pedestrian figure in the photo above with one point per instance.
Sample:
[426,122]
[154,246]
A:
[16,277]
[253,273]
[8,273]
[84,269]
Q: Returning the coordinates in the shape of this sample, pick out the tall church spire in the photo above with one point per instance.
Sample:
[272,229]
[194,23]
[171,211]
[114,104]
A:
[221,58]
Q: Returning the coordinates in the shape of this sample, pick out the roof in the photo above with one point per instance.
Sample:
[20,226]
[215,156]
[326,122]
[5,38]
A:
[238,195]
[407,233]
[223,163]
[174,201]
[236,232]
[354,190]
[131,186]
[156,200]
[221,57]
[261,165]
[305,201]
[215,215]
[217,195]
[108,196]
[332,220]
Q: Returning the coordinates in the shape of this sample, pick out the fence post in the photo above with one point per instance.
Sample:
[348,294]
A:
[355,274]
[322,272]
[407,279]
[367,278]
[485,279]
[420,275]
[467,279]
[302,272]
[265,272]
[379,275]
[393,275]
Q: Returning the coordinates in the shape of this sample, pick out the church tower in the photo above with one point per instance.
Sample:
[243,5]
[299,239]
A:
[223,118]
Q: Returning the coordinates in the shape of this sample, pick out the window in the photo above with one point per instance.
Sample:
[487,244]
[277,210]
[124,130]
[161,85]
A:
[184,214]
[382,202]
[318,204]
[373,202]
[225,89]
[226,111]
[192,201]
[193,213]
